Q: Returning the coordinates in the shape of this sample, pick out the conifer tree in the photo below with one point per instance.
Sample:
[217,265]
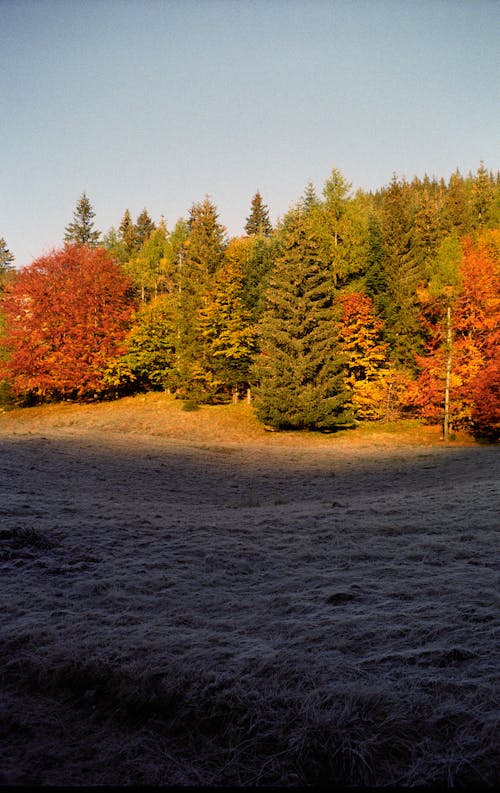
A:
[144,226]
[310,198]
[483,195]
[200,258]
[299,370]
[403,274]
[126,232]
[82,231]
[258,222]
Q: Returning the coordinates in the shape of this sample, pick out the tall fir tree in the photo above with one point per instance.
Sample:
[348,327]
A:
[299,369]
[483,196]
[310,198]
[81,231]
[126,233]
[258,223]
[144,227]
[403,274]
[200,257]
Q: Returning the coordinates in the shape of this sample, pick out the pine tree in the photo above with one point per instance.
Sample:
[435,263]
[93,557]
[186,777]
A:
[258,223]
[299,370]
[82,231]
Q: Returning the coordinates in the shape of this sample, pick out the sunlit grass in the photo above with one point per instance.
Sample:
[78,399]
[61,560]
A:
[161,414]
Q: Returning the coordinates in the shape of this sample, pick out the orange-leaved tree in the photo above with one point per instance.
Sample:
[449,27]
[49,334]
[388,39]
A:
[377,388]
[66,316]
[471,353]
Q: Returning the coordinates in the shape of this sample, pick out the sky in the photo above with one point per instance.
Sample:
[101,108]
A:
[158,103]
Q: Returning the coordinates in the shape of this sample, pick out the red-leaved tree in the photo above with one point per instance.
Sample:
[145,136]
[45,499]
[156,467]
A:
[66,316]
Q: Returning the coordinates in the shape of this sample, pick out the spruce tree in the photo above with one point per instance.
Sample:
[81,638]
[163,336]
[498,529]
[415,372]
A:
[310,198]
[299,370]
[143,229]
[200,258]
[403,273]
[82,231]
[258,223]
[126,231]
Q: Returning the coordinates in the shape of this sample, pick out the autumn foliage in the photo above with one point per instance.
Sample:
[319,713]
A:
[65,317]
[475,312]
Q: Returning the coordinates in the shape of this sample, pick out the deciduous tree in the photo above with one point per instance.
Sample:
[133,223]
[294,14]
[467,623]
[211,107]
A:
[66,317]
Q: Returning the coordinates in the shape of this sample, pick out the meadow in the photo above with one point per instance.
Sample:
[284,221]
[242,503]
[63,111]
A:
[188,599]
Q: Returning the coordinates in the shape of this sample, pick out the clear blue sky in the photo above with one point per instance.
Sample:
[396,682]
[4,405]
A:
[156,103]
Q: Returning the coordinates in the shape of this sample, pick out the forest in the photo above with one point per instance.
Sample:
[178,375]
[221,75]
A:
[356,306]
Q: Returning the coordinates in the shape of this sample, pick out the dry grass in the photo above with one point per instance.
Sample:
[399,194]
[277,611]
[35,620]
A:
[190,600]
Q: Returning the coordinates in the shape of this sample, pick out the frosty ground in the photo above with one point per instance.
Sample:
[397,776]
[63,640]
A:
[186,604]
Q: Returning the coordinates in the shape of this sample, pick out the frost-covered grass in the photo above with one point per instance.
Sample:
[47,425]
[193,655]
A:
[227,614]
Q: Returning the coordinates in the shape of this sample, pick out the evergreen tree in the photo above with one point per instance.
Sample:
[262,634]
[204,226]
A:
[143,228]
[299,370]
[127,236]
[258,222]
[403,274]
[200,258]
[82,231]
[375,276]
[483,196]
[457,212]
[310,198]
[255,258]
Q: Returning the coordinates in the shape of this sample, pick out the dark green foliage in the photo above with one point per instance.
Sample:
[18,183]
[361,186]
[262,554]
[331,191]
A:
[143,228]
[257,268]
[457,211]
[375,277]
[127,236]
[299,370]
[310,198]
[207,239]
[403,273]
[200,257]
[82,231]
[258,220]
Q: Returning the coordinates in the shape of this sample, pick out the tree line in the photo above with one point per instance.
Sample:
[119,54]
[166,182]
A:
[355,306]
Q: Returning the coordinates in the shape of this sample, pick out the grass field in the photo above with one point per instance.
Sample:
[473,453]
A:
[191,600]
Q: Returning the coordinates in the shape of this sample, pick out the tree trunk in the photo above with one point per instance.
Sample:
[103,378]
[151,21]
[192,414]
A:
[446,422]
